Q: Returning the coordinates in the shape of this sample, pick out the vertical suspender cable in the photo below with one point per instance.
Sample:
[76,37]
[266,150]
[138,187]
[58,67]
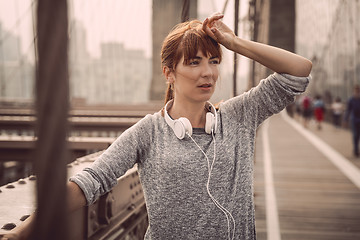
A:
[236,25]
[2,68]
[34,33]
[254,37]
[225,5]
[351,27]
[20,63]
[185,13]
[52,103]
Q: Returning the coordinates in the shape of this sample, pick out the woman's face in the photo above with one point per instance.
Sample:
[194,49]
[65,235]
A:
[196,81]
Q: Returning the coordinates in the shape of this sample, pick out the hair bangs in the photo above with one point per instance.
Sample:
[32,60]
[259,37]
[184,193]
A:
[195,40]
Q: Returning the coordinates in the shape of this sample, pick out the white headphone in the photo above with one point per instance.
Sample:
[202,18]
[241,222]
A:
[182,126]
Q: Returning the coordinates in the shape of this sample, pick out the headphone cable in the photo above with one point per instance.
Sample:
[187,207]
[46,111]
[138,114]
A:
[217,204]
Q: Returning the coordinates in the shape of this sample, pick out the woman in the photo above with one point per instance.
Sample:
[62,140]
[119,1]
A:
[195,162]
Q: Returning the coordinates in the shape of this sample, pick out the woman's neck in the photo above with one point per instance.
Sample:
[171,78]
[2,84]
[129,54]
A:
[195,112]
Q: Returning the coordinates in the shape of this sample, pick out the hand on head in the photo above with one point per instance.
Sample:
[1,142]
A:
[218,30]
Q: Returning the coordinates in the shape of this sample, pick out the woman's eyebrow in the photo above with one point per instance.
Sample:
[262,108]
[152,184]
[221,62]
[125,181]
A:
[199,58]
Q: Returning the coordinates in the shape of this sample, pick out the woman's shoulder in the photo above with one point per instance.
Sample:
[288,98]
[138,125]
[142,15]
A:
[145,127]
[151,118]
[225,105]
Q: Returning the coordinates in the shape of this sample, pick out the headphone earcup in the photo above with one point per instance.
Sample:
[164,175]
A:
[181,127]
[210,122]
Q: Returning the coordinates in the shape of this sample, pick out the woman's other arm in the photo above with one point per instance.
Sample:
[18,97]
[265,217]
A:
[75,200]
[75,196]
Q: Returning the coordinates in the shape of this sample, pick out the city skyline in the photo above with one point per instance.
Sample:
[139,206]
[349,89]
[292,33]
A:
[115,22]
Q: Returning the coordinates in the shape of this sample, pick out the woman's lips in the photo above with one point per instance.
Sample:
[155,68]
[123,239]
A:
[205,86]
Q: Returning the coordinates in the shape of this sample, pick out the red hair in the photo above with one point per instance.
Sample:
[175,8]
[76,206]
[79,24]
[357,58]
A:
[185,39]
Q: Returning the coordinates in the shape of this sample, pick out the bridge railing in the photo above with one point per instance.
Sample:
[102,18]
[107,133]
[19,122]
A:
[93,128]
[89,121]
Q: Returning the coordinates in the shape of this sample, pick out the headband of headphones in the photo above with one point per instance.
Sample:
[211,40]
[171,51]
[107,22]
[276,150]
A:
[182,126]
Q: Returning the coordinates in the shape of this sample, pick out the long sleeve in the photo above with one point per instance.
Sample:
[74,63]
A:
[269,97]
[127,150]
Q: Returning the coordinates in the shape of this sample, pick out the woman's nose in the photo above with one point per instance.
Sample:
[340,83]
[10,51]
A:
[207,71]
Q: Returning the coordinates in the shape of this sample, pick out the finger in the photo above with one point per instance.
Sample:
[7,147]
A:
[217,34]
[210,21]
[209,33]
[204,25]
[215,17]
[217,14]
[206,28]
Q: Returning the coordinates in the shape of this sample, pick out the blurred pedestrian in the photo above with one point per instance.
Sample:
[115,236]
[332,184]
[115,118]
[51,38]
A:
[352,116]
[319,110]
[298,108]
[306,110]
[337,108]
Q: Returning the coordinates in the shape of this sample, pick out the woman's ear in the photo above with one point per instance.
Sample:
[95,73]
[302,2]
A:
[169,75]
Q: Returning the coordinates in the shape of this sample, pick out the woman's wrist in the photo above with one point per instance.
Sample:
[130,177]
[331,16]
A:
[238,45]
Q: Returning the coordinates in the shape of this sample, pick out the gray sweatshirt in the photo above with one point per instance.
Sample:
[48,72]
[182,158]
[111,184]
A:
[174,172]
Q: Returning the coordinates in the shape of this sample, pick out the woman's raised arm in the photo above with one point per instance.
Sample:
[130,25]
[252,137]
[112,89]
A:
[277,59]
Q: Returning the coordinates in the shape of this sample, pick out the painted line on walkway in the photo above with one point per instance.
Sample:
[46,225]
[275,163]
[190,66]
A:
[272,218]
[343,164]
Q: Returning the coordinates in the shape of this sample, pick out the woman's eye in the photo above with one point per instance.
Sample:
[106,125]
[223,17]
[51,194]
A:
[214,61]
[194,62]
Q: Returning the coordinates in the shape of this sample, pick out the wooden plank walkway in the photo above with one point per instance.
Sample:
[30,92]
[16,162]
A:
[314,199]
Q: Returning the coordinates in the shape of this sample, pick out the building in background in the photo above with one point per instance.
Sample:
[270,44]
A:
[118,76]
[16,72]
[328,32]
